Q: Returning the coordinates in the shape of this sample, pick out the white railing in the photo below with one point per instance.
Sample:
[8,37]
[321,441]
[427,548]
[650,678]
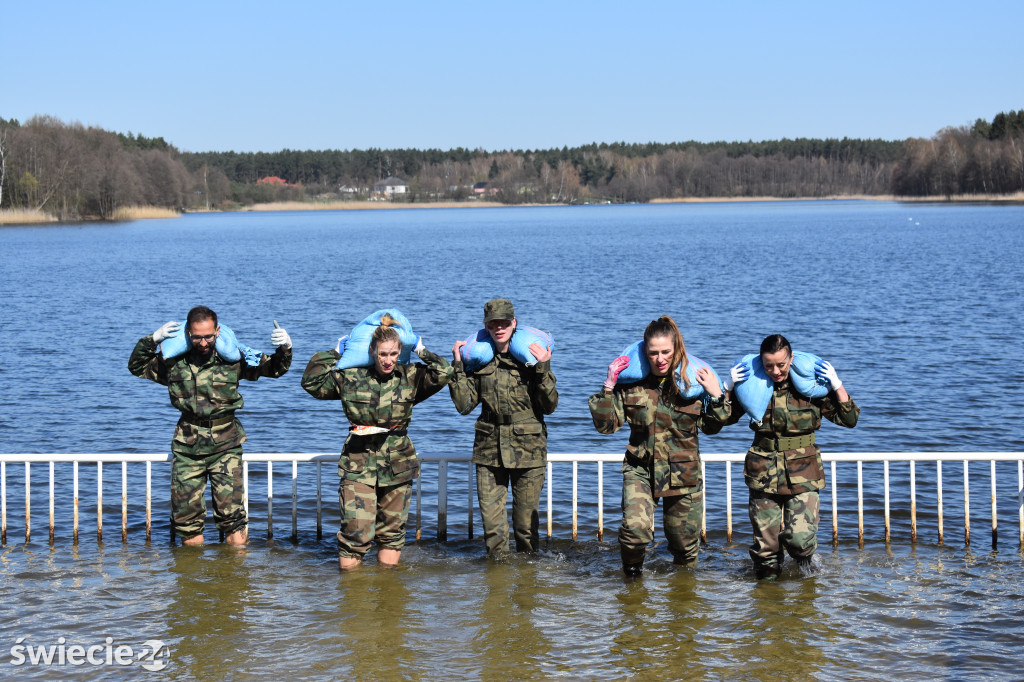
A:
[728,460]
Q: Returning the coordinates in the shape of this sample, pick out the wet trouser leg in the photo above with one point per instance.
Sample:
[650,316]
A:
[683,515]
[638,503]
[800,520]
[492,494]
[492,484]
[526,487]
[769,513]
[188,489]
[372,513]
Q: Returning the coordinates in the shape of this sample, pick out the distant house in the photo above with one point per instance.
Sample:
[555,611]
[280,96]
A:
[390,186]
[485,189]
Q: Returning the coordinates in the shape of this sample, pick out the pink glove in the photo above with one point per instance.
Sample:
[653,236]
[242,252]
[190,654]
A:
[618,364]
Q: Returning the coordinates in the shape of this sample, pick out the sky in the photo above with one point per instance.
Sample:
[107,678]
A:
[265,76]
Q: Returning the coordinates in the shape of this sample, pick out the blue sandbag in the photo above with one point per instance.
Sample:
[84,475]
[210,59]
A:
[356,352]
[227,346]
[639,367]
[803,376]
[479,348]
[755,393]
[478,351]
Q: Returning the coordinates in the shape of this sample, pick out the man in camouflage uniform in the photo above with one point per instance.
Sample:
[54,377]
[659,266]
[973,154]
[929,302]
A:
[378,462]
[783,467]
[510,445]
[208,438]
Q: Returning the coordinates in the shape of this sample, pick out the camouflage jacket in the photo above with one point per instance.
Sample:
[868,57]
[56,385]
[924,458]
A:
[372,400]
[662,431]
[790,414]
[510,431]
[203,393]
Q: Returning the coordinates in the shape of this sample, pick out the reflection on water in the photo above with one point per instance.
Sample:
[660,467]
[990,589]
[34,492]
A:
[446,611]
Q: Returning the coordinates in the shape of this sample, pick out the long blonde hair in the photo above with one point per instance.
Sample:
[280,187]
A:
[385,332]
[666,326]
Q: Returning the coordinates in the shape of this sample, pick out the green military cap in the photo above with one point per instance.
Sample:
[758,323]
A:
[498,309]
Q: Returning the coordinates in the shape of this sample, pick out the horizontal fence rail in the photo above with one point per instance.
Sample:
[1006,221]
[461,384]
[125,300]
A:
[727,461]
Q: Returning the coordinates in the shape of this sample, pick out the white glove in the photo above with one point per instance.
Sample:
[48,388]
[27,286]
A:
[419,345]
[166,331]
[340,348]
[279,337]
[737,375]
[825,370]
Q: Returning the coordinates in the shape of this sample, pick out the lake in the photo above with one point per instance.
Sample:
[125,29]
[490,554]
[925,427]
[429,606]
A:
[917,306]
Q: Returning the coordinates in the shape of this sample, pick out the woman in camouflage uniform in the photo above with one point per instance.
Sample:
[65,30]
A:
[378,462]
[783,467]
[662,457]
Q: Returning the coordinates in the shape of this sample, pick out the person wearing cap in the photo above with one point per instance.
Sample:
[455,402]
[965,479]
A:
[208,439]
[378,462]
[510,442]
[783,467]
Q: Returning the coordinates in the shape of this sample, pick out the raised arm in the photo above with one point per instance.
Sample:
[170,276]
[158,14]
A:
[606,410]
[542,387]
[431,377]
[320,380]
[145,362]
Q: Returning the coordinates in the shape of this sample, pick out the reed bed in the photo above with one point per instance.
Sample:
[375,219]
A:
[125,213]
[24,216]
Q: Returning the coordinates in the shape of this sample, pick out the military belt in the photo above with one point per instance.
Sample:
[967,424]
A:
[783,443]
[207,423]
[506,419]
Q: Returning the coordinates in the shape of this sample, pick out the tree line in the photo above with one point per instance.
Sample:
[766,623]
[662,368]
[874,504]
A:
[76,172]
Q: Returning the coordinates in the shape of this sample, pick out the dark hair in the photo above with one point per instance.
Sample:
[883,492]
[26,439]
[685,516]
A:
[200,313]
[385,332]
[666,326]
[775,343]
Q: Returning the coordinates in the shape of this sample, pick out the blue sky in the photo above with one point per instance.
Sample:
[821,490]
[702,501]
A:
[261,76]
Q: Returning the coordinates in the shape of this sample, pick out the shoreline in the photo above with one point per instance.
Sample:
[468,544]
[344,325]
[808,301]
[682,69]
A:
[23,217]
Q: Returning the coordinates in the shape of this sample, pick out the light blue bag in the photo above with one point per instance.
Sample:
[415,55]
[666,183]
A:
[755,393]
[227,346]
[356,352]
[479,348]
[639,367]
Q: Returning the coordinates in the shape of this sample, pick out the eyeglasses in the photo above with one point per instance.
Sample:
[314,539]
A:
[208,338]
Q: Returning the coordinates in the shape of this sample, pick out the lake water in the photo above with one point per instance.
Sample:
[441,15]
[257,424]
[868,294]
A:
[918,306]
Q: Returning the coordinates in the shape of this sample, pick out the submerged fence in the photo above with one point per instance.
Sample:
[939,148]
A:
[710,461]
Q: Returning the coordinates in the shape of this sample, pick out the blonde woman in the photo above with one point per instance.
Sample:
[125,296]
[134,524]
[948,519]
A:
[378,462]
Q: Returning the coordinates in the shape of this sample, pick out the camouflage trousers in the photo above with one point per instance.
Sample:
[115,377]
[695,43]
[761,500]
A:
[188,492]
[782,522]
[372,514]
[681,514]
[492,485]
